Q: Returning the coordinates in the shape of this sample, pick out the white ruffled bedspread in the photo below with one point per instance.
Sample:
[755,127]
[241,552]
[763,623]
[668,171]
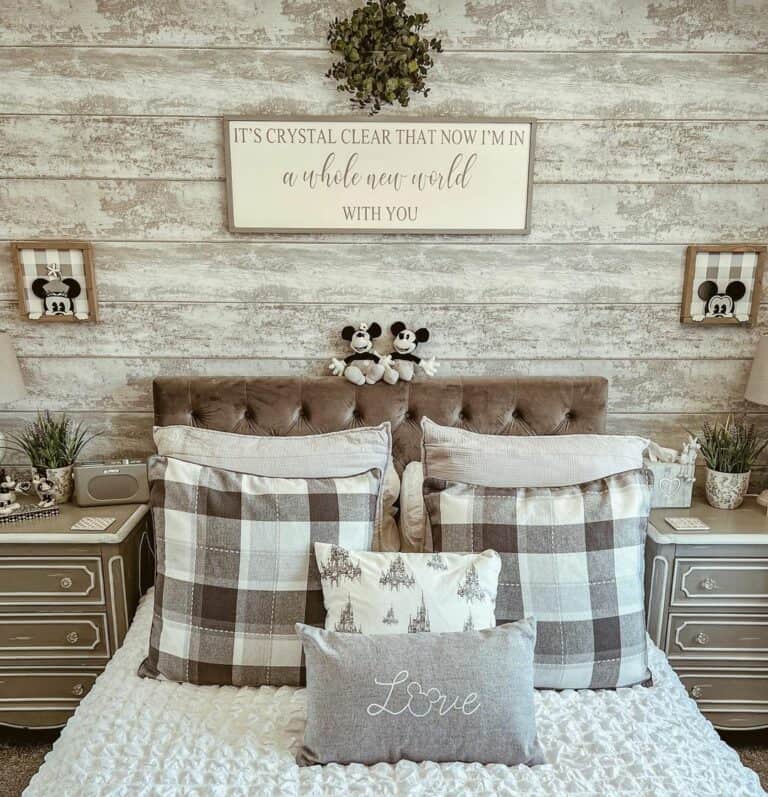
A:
[132,737]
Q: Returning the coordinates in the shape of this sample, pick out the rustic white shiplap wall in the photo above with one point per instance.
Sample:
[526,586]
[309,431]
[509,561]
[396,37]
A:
[653,134]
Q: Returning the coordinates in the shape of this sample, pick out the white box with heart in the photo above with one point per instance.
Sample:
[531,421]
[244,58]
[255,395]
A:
[672,483]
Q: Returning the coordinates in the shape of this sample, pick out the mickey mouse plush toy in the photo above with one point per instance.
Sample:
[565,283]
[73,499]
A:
[365,365]
[402,362]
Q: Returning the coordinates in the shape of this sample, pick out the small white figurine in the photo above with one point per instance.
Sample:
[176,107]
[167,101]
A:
[690,451]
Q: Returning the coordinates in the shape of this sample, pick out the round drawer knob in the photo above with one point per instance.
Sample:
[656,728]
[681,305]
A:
[65,582]
[696,692]
[77,690]
[73,637]
[702,638]
[709,584]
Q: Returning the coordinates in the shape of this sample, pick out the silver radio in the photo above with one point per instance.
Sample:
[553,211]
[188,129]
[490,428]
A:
[121,482]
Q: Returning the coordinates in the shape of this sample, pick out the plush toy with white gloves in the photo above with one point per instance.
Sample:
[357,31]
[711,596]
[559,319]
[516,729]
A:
[365,365]
[401,363]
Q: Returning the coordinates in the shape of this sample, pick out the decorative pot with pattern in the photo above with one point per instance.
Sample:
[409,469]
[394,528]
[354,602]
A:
[63,482]
[726,490]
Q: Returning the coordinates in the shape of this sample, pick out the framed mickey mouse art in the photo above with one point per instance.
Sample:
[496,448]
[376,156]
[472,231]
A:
[55,280]
[722,284]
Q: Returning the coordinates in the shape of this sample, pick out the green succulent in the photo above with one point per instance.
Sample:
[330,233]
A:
[382,56]
[731,446]
[51,442]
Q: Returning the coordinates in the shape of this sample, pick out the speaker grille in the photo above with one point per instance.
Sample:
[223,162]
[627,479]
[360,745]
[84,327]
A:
[110,488]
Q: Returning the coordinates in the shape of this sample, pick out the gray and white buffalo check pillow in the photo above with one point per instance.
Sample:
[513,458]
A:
[572,557]
[236,568]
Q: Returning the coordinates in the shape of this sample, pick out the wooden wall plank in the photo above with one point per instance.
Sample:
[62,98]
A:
[129,434]
[256,271]
[636,386]
[184,148]
[127,210]
[479,24]
[192,82]
[483,331]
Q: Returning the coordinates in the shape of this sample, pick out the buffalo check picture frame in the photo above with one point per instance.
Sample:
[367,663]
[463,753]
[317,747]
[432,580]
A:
[723,284]
[236,570]
[572,557]
[55,280]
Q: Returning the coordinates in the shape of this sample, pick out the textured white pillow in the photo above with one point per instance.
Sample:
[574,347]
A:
[492,460]
[415,533]
[320,456]
[398,593]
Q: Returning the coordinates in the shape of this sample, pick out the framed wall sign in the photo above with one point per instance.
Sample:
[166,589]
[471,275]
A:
[399,176]
[55,280]
[722,284]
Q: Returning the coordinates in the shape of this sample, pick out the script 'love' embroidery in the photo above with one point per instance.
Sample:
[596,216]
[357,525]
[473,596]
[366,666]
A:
[412,698]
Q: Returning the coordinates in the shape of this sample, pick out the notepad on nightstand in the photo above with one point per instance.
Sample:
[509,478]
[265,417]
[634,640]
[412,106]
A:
[687,524]
[93,524]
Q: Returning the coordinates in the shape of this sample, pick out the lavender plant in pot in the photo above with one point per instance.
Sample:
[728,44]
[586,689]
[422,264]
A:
[53,445]
[730,449]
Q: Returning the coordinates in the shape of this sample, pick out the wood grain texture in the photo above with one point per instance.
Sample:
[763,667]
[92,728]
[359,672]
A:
[129,434]
[195,211]
[653,135]
[191,82]
[276,271]
[183,148]
[116,384]
[499,331]
[477,24]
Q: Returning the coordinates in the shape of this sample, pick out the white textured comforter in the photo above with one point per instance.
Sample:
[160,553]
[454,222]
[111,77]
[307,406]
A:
[133,737]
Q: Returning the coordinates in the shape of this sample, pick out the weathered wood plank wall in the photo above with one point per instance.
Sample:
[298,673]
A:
[653,134]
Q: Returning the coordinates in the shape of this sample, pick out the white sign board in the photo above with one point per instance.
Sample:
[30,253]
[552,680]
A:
[336,175]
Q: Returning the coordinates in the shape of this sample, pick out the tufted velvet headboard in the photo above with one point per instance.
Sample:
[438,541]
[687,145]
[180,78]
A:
[292,406]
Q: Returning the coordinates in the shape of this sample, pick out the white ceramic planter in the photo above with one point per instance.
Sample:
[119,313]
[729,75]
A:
[63,483]
[726,490]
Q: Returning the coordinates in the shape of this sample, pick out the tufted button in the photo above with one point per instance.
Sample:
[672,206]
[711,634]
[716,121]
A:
[408,415]
[516,415]
[249,416]
[462,415]
[568,415]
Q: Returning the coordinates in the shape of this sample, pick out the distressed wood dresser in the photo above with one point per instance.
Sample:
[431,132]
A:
[707,607]
[66,601]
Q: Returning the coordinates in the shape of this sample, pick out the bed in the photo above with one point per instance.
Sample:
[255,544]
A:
[132,736]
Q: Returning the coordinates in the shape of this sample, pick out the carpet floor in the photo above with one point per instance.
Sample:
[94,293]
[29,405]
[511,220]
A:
[22,752]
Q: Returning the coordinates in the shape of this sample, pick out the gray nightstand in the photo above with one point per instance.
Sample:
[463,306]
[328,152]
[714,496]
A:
[707,608]
[66,601]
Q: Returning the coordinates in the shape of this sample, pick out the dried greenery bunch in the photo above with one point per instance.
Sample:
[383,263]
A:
[51,442]
[383,55]
[731,446]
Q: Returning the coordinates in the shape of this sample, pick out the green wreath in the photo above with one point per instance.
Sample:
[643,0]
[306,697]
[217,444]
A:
[383,56]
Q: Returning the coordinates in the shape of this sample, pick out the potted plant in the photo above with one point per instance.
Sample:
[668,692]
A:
[53,446]
[730,449]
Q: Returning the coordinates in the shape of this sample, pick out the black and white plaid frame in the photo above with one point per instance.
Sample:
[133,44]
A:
[55,260]
[236,568]
[722,266]
[572,557]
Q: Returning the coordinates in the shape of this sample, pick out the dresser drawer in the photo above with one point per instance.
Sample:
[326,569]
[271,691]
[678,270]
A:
[49,687]
[53,636]
[730,637]
[720,582]
[728,698]
[48,580]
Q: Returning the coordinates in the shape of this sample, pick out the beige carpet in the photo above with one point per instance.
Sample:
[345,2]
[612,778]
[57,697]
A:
[22,752]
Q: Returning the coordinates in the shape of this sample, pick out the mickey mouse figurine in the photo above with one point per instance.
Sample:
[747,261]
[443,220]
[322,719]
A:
[365,365]
[402,362]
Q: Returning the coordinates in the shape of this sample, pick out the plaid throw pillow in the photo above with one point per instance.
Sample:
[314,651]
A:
[236,568]
[572,557]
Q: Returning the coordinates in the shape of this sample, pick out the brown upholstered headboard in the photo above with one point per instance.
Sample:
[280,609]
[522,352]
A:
[291,406]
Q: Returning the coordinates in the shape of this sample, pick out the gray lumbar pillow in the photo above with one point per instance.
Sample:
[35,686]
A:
[422,697]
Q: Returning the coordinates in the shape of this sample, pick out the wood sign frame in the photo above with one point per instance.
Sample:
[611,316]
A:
[32,260]
[277,171]
[709,282]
